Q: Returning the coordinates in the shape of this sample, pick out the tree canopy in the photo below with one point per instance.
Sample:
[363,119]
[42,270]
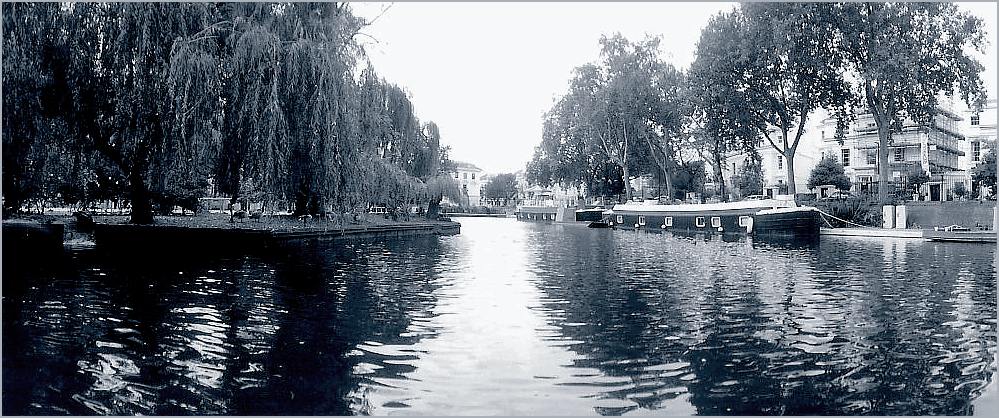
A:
[269,99]
[828,172]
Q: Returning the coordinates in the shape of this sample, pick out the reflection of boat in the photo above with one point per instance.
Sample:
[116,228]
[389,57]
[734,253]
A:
[757,217]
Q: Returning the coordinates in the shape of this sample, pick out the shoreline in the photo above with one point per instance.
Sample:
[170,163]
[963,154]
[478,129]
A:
[214,232]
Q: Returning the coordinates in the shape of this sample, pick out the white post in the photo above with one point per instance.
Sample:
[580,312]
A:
[888,216]
[901,218]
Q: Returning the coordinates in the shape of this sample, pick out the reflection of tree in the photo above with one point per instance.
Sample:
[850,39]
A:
[338,296]
[202,335]
[771,328]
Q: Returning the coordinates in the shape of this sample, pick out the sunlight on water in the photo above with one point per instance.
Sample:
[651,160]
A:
[513,318]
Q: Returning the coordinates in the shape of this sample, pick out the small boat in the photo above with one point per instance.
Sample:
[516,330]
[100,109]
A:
[756,217]
[599,224]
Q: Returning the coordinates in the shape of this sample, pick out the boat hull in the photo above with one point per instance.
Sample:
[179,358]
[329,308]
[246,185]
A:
[589,215]
[788,223]
[740,218]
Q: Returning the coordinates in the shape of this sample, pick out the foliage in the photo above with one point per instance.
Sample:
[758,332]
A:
[858,210]
[985,171]
[960,191]
[749,180]
[916,179]
[829,172]
[775,63]
[263,99]
[501,186]
[905,55]
[689,178]
[623,110]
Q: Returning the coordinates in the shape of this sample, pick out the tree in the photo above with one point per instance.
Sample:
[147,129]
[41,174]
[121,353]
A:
[828,172]
[985,172]
[623,110]
[718,116]
[749,180]
[916,178]
[780,60]
[905,55]
[502,186]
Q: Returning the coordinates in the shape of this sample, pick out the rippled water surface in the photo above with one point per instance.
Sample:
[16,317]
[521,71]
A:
[510,318]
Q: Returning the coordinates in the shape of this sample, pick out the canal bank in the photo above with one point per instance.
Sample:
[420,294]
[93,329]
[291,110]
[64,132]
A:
[128,236]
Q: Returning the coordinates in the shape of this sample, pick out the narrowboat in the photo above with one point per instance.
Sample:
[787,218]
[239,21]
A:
[756,217]
[536,213]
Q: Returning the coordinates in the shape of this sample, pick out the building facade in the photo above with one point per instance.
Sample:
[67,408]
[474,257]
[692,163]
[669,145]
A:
[774,165]
[979,128]
[469,179]
[934,148]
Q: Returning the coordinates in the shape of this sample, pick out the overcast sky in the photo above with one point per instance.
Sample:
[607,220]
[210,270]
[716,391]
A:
[486,72]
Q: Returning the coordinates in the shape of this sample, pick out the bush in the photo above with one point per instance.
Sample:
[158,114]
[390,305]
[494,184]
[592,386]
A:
[859,210]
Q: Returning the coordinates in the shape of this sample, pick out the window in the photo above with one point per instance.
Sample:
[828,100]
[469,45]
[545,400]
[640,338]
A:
[464,176]
[455,174]
[641,219]
[872,158]
[733,167]
[715,222]
[620,219]
[976,150]
[823,135]
[780,162]
[974,120]
[473,176]
[899,154]
[745,221]
[846,157]
[668,221]
[699,221]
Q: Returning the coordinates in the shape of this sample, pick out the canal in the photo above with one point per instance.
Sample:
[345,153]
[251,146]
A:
[509,318]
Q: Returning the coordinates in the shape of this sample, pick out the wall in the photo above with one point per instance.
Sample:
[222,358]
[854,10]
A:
[931,214]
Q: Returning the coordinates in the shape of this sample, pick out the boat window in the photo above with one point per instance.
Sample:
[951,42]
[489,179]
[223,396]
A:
[744,221]
[699,221]
[668,221]
[641,220]
[715,222]
[620,219]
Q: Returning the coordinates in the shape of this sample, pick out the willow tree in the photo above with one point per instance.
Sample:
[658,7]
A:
[905,55]
[34,54]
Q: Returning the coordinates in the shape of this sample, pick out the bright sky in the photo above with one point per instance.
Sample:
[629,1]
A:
[487,72]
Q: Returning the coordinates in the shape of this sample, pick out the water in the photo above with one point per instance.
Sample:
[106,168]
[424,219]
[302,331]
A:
[511,318]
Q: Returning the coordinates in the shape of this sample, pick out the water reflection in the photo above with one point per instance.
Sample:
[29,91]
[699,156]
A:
[510,318]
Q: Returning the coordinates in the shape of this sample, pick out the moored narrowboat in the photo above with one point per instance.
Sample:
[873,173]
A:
[536,213]
[757,217]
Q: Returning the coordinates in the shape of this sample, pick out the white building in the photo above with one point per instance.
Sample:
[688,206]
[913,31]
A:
[979,128]
[554,196]
[932,148]
[469,179]
[774,165]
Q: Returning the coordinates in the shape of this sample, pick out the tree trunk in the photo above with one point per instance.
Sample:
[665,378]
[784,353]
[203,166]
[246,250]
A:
[669,179]
[142,207]
[627,184]
[884,168]
[720,177]
[434,207]
[791,188]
